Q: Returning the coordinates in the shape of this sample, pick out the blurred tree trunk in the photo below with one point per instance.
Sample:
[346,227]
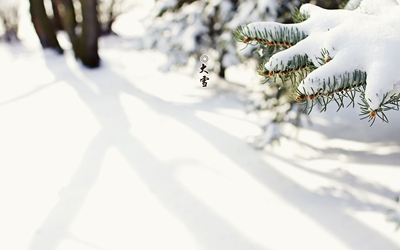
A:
[84,40]
[222,68]
[43,26]
[87,49]
[66,11]
[57,22]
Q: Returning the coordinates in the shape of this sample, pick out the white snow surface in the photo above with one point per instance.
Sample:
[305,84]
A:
[128,157]
[366,39]
[8,4]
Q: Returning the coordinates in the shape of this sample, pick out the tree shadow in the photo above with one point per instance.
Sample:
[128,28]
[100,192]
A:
[377,152]
[346,180]
[106,106]
[115,132]
[349,126]
[27,94]
[344,136]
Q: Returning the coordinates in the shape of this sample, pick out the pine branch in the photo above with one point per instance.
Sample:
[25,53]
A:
[344,88]
[391,103]
[272,39]
[325,57]
[295,70]
[321,87]
[270,35]
[299,16]
[336,88]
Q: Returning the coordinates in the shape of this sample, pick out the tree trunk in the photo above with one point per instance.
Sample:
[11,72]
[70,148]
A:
[43,26]
[88,41]
[66,10]
[57,22]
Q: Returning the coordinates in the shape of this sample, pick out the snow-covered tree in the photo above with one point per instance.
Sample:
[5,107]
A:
[9,19]
[109,11]
[272,101]
[185,29]
[188,29]
[333,56]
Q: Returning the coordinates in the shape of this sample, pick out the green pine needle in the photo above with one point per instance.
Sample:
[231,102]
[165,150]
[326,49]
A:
[391,103]
[298,16]
[340,89]
[283,37]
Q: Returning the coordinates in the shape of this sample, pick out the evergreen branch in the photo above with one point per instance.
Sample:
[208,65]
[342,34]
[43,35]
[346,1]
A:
[343,4]
[299,16]
[295,70]
[335,89]
[281,36]
[297,63]
[391,103]
[325,57]
[346,86]
[268,51]
[319,88]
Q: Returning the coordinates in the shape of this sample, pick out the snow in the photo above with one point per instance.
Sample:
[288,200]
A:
[372,7]
[129,157]
[9,4]
[365,39]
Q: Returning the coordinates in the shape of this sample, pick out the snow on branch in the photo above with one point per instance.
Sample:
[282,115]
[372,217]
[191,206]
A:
[334,55]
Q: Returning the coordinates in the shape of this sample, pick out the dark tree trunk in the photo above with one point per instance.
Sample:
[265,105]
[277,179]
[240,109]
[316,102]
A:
[67,14]
[85,41]
[221,72]
[87,49]
[57,22]
[43,26]
[222,68]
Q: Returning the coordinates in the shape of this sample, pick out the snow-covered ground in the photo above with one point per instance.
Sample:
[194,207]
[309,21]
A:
[128,157]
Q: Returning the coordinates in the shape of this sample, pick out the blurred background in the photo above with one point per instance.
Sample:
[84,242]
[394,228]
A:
[183,30]
[108,140]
